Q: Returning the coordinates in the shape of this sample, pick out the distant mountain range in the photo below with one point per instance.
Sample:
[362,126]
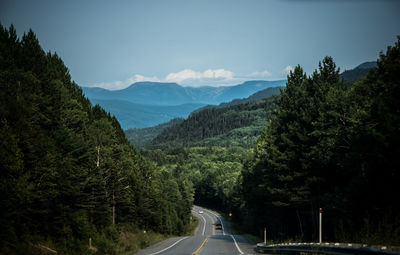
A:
[157,93]
[251,112]
[146,104]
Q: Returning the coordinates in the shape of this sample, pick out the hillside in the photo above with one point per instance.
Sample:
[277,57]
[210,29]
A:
[237,125]
[350,76]
[141,136]
[255,97]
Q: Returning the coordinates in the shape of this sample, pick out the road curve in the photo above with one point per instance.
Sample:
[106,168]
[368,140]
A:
[206,241]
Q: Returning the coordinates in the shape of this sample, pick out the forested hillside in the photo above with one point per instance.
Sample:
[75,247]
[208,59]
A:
[141,136]
[67,171]
[350,76]
[213,171]
[262,94]
[238,125]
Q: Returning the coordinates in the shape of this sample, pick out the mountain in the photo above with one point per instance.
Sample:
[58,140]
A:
[156,93]
[145,104]
[132,115]
[350,76]
[367,65]
[255,97]
[247,88]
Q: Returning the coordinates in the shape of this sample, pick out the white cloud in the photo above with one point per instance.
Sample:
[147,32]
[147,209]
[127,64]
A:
[117,85]
[192,78]
[287,70]
[262,74]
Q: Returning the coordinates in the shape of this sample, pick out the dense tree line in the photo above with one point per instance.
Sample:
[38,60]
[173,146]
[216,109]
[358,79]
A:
[67,171]
[330,146]
[212,171]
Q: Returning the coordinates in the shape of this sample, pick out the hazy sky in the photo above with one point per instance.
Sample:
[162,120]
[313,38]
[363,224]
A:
[194,42]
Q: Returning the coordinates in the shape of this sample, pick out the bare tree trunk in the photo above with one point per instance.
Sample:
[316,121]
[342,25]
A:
[98,156]
[113,208]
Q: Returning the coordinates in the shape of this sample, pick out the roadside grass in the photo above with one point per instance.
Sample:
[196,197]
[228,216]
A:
[192,226]
[132,242]
[128,240]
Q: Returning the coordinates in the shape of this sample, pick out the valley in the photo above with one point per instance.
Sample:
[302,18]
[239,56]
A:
[87,170]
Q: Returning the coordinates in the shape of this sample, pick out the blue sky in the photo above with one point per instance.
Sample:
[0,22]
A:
[209,42]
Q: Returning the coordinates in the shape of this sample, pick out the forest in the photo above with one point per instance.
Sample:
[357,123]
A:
[325,144]
[332,147]
[68,173]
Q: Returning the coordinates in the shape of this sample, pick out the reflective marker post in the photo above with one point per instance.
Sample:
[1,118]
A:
[265,236]
[320,225]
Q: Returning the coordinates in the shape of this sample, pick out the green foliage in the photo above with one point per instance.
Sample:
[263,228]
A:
[67,170]
[141,136]
[212,171]
[236,125]
[330,146]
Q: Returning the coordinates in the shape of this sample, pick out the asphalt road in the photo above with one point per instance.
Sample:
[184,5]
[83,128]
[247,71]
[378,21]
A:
[206,241]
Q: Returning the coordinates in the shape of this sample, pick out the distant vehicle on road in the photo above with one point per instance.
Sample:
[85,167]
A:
[200,211]
[218,226]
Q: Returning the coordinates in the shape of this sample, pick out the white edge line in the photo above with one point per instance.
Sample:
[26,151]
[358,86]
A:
[237,246]
[169,246]
[223,229]
[234,240]
[204,225]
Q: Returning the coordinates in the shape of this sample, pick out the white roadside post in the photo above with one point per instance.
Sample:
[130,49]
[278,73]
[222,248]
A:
[265,236]
[320,225]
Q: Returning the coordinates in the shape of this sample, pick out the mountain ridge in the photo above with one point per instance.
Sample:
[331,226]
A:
[352,75]
[158,93]
[146,104]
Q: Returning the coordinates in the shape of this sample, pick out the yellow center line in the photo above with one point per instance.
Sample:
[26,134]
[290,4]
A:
[201,246]
[212,225]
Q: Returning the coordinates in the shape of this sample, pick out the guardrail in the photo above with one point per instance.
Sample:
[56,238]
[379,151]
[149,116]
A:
[327,248]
